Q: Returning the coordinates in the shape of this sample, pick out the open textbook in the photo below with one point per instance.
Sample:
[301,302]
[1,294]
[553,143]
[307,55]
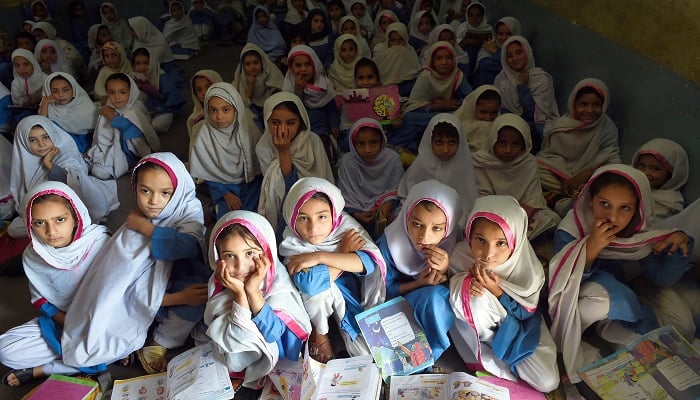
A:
[344,378]
[658,365]
[457,385]
[197,374]
[397,342]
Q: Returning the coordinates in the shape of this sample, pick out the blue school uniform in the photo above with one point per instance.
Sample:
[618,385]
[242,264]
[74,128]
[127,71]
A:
[248,192]
[487,68]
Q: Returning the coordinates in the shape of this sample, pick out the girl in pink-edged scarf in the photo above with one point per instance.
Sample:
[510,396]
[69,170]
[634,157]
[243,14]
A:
[494,295]
[605,240]
[333,262]
[254,314]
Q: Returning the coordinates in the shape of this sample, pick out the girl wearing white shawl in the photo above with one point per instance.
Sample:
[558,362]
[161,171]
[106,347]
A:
[77,116]
[118,26]
[257,326]
[456,172]
[595,240]
[255,89]
[333,262]
[7,202]
[382,20]
[350,24]
[369,186]
[297,10]
[362,13]
[446,33]
[51,58]
[110,317]
[518,177]
[477,114]
[122,134]
[498,327]
[44,30]
[96,34]
[287,153]
[342,71]
[398,65]
[474,31]
[59,161]
[306,77]
[54,274]
[416,248]
[526,90]
[29,79]
[266,37]
[667,171]
[422,23]
[224,157]
[179,31]
[147,35]
[111,65]
[488,60]
[572,148]
[199,84]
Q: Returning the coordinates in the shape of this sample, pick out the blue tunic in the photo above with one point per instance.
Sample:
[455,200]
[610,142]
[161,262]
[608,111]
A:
[248,192]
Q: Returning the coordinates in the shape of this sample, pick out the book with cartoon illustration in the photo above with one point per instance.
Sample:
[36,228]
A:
[397,342]
[457,385]
[381,103]
[658,365]
[196,374]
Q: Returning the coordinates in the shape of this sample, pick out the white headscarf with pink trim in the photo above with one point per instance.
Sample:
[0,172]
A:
[230,326]
[320,91]
[373,285]
[408,259]
[567,266]
[55,273]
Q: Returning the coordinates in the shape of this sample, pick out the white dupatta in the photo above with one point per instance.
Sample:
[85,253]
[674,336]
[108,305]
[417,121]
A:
[76,117]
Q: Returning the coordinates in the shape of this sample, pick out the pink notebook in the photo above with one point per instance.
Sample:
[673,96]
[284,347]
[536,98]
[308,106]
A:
[381,103]
[518,390]
[60,387]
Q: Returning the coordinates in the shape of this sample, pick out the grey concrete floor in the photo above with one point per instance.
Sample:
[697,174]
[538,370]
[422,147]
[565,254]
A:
[15,307]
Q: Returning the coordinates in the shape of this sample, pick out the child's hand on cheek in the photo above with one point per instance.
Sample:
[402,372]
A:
[352,241]
[226,279]
[431,277]
[262,265]
[47,160]
[437,258]
[281,137]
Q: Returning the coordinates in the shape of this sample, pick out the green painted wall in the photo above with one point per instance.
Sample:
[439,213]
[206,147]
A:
[666,31]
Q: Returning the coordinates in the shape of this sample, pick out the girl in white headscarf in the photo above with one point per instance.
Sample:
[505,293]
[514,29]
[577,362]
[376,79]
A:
[29,79]
[114,60]
[495,293]
[382,20]
[147,35]
[51,58]
[359,9]
[98,35]
[64,244]
[254,314]
[505,166]
[488,60]
[223,155]
[154,261]
[44,30]
[611,224]
[446,33]
[474,31]
[333,262]
[579,142]
[342,71]
[69,106]
[264,34]
[306,77]
[397,60]
[422,23]
[477,113]
[297,11]
[350,24]
[288,150]
[179,31]
[443,155]
[665,163]
[44,152]
[416,248]
[200,82]
[369,176]
[526,90]
[256,79]
[118,26]
[123,132]
[7,202]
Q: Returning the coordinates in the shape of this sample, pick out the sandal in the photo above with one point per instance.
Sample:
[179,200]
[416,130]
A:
[321,351]
[23,375]
[148,354]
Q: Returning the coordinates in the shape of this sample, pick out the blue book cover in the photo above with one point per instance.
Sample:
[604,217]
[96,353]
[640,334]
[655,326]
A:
[397,342]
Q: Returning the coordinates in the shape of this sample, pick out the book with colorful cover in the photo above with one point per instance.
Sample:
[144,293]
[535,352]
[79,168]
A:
[297,380]
[196,374]
[457,385]
[397,342]
[658,365]
[381,103]
[61,387]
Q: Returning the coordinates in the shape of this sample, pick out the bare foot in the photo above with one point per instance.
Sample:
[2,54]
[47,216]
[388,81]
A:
[320,348]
